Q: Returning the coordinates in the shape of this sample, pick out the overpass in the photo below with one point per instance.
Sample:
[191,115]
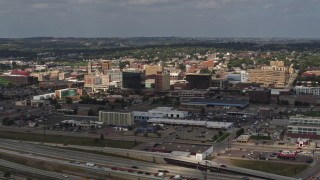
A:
[186,162]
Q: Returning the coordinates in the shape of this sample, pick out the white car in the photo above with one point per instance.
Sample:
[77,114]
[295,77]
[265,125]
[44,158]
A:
[65,176]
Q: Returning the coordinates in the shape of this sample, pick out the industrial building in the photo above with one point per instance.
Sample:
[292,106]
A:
[198,102]
[189,93]
[159,112]
[207,124]
[260,95]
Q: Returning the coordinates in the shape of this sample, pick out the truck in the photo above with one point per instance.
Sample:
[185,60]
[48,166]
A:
[90,164]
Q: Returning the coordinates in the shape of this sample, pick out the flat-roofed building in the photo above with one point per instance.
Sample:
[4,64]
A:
[189,93]
[116,118]
[151,70]
[198,81]
[304,127]
[307,90]
[275,75]
[268,77]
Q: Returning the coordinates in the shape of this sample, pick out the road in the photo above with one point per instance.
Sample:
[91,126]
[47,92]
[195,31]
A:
[26,169]
[40,150]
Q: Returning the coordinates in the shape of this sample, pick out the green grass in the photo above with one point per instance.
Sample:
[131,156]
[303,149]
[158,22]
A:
[313,113]
[60,139]
[223,137]
[4,82]
[284,169]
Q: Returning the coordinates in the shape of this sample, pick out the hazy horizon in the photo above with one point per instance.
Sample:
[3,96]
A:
[160,18]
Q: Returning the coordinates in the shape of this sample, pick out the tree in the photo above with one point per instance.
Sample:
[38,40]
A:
[215,137]
[123,64]
[145,98]
[205,71]
[182,67]
[135,133]
[69,100]
[101,137]
[240,132]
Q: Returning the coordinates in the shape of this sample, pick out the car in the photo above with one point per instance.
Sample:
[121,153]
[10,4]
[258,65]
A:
[223,166]
[147,173]
[134,167]
[309,161]
[140,172]
[65,176]
[114,168]
[164,171]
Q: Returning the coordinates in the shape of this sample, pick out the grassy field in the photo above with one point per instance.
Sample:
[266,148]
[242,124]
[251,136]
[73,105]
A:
[284,169]
[60,139]
[223,137]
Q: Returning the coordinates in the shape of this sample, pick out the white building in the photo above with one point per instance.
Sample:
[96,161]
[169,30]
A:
[159,112]
[44,96]
[244,76]
[307,90]
[208,124]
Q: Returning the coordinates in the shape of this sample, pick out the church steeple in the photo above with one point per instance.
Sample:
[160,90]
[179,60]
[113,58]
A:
[89,68]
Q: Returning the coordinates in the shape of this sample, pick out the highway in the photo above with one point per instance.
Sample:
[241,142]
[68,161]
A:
[56,153]
[30,170]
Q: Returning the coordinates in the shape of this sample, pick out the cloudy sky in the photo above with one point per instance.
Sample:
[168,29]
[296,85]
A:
[183,18]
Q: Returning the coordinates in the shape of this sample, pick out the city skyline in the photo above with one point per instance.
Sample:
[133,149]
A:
[159,18]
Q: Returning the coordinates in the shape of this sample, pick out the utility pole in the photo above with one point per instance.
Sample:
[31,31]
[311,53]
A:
[44,129]
[206,168]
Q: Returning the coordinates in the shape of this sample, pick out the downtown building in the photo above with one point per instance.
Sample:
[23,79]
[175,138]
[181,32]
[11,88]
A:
[116,118]
[304,127]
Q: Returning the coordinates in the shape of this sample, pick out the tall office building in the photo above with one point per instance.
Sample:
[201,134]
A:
[162,82]
[132,80]
[106,65]
[198,81]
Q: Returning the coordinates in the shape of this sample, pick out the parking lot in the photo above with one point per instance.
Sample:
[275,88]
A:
[264,155]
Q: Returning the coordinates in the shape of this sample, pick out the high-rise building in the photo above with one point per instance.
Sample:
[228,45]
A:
[198,81]
[106,65]
[116,118]
[132,80]
[162,82]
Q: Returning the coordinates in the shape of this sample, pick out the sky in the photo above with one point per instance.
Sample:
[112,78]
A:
[160,18]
